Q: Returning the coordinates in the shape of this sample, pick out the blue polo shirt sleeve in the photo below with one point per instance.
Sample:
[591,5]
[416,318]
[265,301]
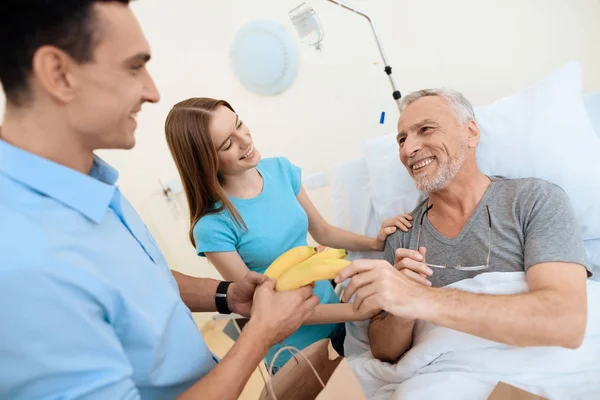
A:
[214,233]
[71,350]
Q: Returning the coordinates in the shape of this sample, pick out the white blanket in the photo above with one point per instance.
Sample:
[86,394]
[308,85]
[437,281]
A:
[446,364]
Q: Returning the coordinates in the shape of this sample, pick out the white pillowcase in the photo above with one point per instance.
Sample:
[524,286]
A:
[592,104]
[542,131]
[352,205]
[393,189]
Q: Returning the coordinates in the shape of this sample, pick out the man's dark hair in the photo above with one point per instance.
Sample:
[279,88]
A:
[26,25]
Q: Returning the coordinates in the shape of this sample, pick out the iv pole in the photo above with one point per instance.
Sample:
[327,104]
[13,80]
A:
[388,69]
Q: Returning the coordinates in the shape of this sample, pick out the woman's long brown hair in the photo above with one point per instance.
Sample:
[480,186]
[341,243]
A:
[188,137]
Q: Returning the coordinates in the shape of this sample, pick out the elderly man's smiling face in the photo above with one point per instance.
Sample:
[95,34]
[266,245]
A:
[433,143]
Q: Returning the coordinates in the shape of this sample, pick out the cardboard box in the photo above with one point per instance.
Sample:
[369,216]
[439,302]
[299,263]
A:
[504,391]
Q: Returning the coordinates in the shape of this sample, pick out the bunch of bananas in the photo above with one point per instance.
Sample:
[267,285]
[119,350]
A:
[302,266]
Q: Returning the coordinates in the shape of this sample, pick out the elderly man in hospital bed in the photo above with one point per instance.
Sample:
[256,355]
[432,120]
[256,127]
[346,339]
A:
[471,228]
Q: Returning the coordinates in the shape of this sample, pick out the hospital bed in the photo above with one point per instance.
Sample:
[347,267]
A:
[365,191]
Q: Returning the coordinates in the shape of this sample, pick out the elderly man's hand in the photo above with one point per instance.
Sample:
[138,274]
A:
[377,284]
[412,264]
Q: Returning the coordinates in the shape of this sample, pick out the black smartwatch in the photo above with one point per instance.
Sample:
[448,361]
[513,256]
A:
[221,298]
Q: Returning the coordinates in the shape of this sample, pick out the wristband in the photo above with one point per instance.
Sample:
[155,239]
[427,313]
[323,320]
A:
[221,298]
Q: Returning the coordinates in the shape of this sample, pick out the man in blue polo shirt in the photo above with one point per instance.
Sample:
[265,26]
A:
[88,305]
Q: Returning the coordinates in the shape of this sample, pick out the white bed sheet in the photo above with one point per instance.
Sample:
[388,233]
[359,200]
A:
[448,364]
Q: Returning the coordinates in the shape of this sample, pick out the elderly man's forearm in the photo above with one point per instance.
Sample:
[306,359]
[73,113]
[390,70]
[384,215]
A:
[540,318]
[390,337]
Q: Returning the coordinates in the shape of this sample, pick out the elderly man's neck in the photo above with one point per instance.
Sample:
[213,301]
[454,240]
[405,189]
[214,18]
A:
[460,198]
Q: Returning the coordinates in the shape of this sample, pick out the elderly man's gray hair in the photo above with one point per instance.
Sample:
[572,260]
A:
[462,109]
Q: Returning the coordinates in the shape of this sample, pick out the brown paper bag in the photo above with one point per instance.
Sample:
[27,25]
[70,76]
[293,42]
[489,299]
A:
[297,379]
[504,391]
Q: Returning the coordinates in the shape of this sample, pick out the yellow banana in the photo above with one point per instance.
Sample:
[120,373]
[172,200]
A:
[310,271]
[288,259]
[330,254]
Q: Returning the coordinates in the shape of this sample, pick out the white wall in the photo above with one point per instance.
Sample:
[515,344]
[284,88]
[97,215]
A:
[484,48]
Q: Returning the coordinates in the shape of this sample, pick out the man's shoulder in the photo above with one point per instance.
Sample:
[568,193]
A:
[527,187]
[419,209]
[398,239]
[526,182]
[23,237]
[525,197]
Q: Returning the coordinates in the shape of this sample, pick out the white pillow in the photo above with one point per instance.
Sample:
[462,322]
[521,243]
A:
[350,195]
[592,104]
[542,131]
[351,203]
[394,190]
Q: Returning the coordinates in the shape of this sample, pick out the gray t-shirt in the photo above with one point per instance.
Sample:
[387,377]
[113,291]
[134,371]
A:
[532,222]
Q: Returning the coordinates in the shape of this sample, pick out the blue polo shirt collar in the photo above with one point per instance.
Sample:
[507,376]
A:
[90,195]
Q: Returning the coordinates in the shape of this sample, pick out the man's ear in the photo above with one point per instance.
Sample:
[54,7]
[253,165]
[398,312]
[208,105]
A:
[52,69]
[473,134]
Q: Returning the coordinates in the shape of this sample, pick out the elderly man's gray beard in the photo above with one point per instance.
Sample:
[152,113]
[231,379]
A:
[444,174]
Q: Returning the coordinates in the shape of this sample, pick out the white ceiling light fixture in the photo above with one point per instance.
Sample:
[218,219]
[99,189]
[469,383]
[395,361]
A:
[264,57]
